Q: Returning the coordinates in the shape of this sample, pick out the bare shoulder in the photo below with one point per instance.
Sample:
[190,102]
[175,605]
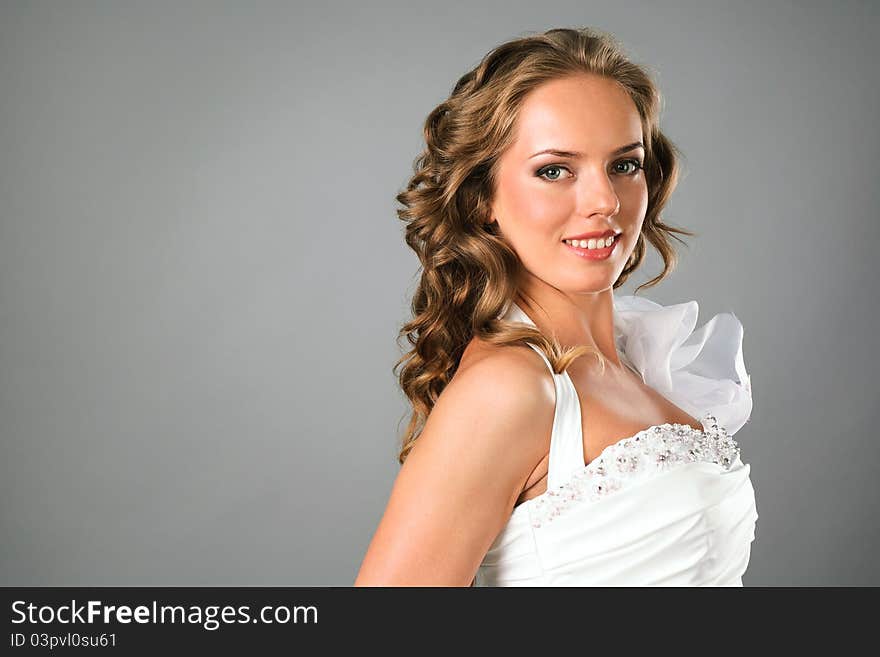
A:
[509,373]
[455,491]
[519,360]
[500,405]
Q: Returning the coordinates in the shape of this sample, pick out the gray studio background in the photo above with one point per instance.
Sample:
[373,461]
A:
[202,275]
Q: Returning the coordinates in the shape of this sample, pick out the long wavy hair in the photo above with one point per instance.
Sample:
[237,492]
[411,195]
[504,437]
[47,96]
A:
[469,271]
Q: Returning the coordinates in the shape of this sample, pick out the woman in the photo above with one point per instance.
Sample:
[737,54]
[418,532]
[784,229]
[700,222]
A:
[544,177]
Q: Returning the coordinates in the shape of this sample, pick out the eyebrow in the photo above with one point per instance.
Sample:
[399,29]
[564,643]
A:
[561,153]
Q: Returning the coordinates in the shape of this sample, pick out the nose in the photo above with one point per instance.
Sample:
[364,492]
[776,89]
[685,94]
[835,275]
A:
[597,195]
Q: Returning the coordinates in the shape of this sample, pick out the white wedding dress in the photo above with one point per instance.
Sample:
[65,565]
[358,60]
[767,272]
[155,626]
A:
[669,506]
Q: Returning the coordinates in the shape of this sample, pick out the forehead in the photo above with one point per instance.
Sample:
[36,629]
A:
[584,113]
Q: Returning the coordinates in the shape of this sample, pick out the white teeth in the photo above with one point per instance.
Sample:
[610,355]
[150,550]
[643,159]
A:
[593,243]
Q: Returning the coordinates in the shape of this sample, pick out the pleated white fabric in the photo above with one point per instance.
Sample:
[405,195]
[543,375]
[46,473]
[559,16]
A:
[670,506]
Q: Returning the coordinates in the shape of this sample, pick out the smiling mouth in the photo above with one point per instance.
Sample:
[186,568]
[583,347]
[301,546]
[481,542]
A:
[594,243]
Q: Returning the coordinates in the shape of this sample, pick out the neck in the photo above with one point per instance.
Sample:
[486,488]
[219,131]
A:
[576,318]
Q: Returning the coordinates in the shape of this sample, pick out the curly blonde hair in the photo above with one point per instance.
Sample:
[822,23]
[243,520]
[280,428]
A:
[469,271]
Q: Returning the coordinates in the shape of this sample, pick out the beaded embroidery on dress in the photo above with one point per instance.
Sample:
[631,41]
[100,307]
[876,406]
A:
[668,506]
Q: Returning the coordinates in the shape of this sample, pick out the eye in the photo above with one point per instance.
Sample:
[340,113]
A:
[637,165]
[550,167]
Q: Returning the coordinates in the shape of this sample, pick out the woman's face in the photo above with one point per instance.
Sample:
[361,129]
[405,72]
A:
[592,183]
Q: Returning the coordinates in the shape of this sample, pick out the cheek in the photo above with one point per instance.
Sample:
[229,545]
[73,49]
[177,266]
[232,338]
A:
[535,208]
[634,199]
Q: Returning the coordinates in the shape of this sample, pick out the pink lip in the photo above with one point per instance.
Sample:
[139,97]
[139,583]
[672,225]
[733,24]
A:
[593,254]
[595,233]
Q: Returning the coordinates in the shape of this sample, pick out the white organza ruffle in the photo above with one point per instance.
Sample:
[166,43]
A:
[700,371]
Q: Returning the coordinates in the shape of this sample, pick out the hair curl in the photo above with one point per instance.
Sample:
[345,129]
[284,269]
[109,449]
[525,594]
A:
[469,271]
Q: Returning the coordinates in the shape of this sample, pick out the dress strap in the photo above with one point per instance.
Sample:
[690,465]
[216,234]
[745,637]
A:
[566,438]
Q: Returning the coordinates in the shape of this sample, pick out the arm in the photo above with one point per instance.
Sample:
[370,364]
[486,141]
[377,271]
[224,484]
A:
[457,488]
